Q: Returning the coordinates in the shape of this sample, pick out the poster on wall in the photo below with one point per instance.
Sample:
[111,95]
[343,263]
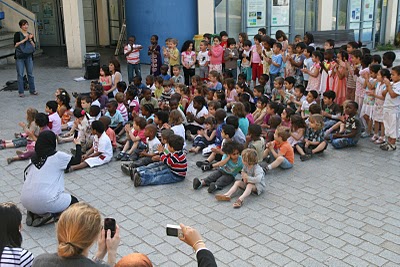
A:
[368,10]
[48,10]
[256,13]
[280,12]
[355,9]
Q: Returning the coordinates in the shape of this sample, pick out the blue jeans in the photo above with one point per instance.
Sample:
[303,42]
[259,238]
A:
[272,78]
[133,68]
[161,174]
[343,142]
[328,123]
[28,64]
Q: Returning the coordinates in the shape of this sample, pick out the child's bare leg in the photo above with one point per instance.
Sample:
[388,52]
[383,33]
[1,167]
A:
[319,148]
[8,144]
[376,128]
[134,146]
[300,150]
[266,153]
[126,147]
[276,162]
[382,130]
[249,189]
[81,165]
[234,188]
[12,159]
[211,157]
[342,127]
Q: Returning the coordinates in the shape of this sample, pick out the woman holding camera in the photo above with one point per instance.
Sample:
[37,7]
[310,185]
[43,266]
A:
[23,60]
[79,227]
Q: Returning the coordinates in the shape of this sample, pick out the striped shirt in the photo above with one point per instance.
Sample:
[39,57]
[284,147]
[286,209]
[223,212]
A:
[176,162]
[16,257]
[134,57]
[124,112]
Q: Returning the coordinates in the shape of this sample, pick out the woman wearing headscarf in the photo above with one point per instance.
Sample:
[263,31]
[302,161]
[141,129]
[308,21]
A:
[43,192]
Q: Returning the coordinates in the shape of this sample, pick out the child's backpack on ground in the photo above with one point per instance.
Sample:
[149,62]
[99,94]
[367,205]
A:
[13,85]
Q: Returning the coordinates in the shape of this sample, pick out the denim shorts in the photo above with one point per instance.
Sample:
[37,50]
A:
[286,164]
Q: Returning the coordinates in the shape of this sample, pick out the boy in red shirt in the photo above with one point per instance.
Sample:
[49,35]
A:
[280,150]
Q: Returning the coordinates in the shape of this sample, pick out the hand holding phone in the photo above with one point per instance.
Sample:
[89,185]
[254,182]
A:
[76,134]
[109,224]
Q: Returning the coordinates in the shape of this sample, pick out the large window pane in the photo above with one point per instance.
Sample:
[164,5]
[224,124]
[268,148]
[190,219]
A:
[299,17]
[334,14]
[235,18]
[342,16]
[220,16]
[311,16]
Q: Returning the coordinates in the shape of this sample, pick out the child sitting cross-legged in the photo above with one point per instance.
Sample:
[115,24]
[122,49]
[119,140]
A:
[279,150]
[136,140]
[204,137]
[252,179]
[145,157]
[255,141]
[314,141]
[172,171]
[227,169]
[227,133]
[101,151]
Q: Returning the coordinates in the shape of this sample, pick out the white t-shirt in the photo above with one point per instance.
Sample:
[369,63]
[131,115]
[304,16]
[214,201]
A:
[179,130]
[393,103]
[56,123]
[306,107]
[308,63]
[203,57]
[153,144]
[43,189]
[113,81]
[201,113]
[103,145]
[16,257]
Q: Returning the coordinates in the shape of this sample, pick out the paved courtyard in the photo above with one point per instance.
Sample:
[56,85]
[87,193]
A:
[338,209]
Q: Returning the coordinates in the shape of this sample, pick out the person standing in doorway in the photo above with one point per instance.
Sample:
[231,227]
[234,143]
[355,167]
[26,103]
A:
[132,54]
[24,48]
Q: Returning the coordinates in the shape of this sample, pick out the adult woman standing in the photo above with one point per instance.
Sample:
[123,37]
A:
[116,76]
[43,189]
[24,39]
[78,229]
[11,253]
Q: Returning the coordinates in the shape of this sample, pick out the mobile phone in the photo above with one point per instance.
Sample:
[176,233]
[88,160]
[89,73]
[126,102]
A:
[109,224]
[75,134]
[174,230]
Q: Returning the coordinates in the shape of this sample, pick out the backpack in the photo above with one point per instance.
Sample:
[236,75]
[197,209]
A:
[13,85]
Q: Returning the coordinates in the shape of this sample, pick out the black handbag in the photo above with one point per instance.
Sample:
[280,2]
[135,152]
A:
[24,50]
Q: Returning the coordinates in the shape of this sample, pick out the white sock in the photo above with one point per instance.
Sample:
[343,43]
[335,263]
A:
[269,167]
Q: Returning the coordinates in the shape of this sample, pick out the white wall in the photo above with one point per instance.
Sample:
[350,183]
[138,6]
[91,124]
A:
[206,19]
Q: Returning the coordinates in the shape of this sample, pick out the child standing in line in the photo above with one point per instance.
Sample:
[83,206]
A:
[314,139]
[173,54]
[297,62]
[377,115]
[256,61]
[369,99]
[289,68]
[101,152]
[314,80]
[231,56]
[255,141]
[391,108]
[203,59]
[245,60]
[172,171]
[339,74]
[276,62]
[280,150]
[155,56]
[307,63]
[188,58]
[360,80]
[132,54]
[54,118]
[230,165]
[166,54]
[253,179]
[267,52]
[216,52]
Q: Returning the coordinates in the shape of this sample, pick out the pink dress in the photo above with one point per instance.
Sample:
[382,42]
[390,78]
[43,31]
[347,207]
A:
[340,85]
[314,82]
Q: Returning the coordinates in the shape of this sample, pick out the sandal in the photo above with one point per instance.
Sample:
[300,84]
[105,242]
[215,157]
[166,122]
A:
[34,93]
[238,203]
[21,95]
[221,197]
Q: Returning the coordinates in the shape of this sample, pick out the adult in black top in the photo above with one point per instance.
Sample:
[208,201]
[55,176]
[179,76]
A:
[25,62]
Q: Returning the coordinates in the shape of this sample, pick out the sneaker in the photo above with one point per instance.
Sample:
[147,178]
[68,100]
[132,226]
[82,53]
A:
[365,135]
[213,187]
[126,168]
[374,138]
[29,218]
[126,157]
[42,220]
[383,145]
[137,180]
[201,163]
[305,157]
[10,160]
[389,147]
[120,155]
[197,183]
[380,140]
[132,173]
[206,167]
[189,136]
